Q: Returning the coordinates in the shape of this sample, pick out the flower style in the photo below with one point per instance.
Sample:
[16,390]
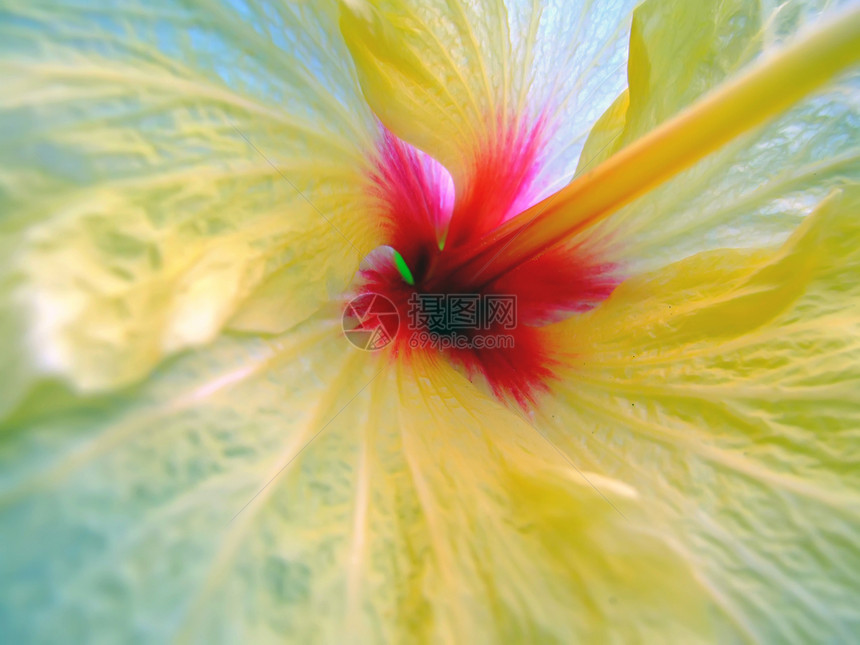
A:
[191,450]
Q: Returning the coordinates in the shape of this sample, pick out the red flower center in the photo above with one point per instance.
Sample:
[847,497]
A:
[491,324]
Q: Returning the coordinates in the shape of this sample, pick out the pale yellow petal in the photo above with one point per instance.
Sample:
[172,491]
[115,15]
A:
[724,389]
[449,77]
[756,190]
[300,490]
[163,163]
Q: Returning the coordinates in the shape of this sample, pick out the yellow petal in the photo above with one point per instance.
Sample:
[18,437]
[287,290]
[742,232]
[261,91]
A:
[301,489]
[160,165]
[449,77]
[756,190]
[602,140]
[724,389]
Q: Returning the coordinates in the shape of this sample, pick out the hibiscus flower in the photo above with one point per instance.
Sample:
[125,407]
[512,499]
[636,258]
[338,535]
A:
[204,204]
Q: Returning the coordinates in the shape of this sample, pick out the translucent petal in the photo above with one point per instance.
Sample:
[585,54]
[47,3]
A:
[724,389]
[164,163]
[756,190]
[447,76]
[301,489]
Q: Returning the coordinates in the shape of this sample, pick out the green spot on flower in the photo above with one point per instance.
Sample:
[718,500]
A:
[405,273]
